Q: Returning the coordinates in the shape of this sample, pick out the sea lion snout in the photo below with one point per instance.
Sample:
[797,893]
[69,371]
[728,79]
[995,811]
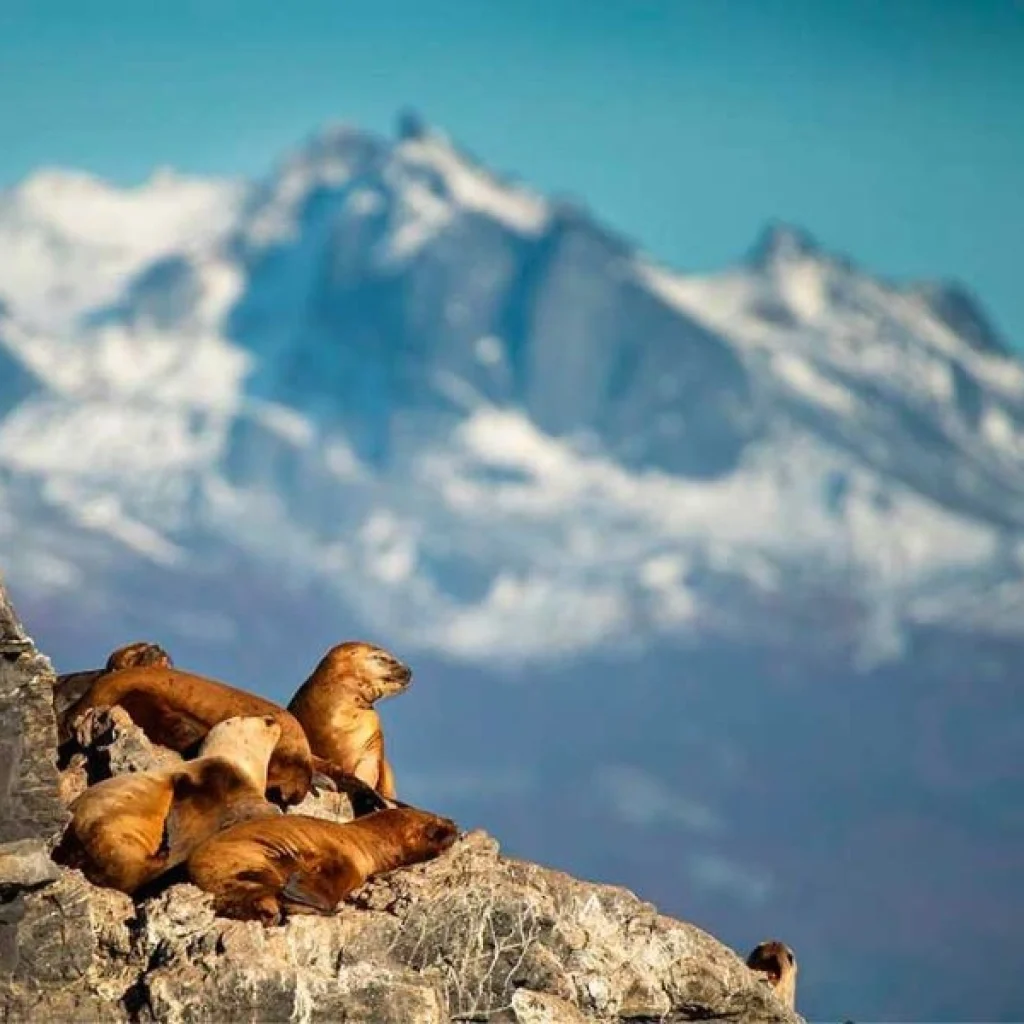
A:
[401,673]
[438,833]
[445,834]
[390,675]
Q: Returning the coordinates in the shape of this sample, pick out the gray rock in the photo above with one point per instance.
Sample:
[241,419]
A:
[26,864]
[29,807]
[470,936]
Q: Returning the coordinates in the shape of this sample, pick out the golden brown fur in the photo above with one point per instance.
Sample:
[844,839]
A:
[775,960]
[177,709]
[130,829]
[335,707]
[301,865]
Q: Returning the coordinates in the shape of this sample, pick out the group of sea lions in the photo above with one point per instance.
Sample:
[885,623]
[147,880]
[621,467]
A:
[219,813]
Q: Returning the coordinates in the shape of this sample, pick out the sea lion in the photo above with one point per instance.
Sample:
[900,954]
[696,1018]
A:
[295,864]
[177,709]
[335,707]
[71,685]
[130,829]
[775,960]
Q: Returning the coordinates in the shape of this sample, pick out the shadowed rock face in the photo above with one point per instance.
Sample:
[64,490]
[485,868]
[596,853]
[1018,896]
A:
[470,936]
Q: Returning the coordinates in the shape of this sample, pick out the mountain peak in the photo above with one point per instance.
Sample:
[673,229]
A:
[783,243]
[410,125]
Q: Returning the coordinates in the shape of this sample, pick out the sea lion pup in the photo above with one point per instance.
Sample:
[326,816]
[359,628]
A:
[775,960]
[130,829]
[301,865]
[335,707]
[177,709]
[71,685]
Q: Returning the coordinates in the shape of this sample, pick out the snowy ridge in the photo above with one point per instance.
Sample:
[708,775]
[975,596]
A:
[476,416]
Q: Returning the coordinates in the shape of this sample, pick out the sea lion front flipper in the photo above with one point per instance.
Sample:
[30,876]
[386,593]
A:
[364,798]
[296,892]
[386,779]
[174,846]
[320,782]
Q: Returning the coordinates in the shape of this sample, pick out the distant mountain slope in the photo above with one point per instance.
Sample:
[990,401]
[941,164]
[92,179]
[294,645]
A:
[383,346]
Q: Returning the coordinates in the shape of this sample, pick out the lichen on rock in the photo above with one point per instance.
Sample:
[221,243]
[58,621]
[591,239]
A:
[471,936]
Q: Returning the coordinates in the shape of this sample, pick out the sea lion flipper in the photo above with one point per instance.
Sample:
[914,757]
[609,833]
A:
[386,779]
[364,798]
[295,891]
[175,845]
[321,782]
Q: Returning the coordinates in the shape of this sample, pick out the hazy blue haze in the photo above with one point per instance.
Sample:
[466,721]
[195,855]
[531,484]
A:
[893,131]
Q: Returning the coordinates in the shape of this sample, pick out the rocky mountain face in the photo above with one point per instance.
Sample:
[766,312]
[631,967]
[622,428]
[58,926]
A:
[711,583]
[470,936]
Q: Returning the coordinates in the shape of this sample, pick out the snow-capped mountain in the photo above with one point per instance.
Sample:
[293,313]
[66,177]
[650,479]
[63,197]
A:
[479,415]
[385,392]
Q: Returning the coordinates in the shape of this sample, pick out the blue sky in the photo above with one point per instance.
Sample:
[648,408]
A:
[891,129]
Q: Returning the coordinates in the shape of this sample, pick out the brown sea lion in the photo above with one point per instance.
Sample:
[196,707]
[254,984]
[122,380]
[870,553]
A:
[335,707]
[177,709]
[295,864]
[775,960]
[130,829]
[71,685]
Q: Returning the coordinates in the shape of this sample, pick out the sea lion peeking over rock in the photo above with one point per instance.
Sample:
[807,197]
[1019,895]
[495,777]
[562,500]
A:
[72,685]
[130,829]
[139,654]
[777,963]
[268,869]
[335,707]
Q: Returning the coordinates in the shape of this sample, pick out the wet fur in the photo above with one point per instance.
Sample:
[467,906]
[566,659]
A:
[266,870]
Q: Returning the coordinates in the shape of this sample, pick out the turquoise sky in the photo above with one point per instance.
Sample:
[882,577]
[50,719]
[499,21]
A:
[891,129]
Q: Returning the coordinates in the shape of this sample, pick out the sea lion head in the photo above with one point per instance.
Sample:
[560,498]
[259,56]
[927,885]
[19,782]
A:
[247,742]
[374,672]
[776,961]
[425,835]
[140,654]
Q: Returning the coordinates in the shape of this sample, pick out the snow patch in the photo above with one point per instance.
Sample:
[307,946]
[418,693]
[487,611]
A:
[805,379]
[473,188]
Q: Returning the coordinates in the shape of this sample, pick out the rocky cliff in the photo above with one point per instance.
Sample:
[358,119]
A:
[471,936]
